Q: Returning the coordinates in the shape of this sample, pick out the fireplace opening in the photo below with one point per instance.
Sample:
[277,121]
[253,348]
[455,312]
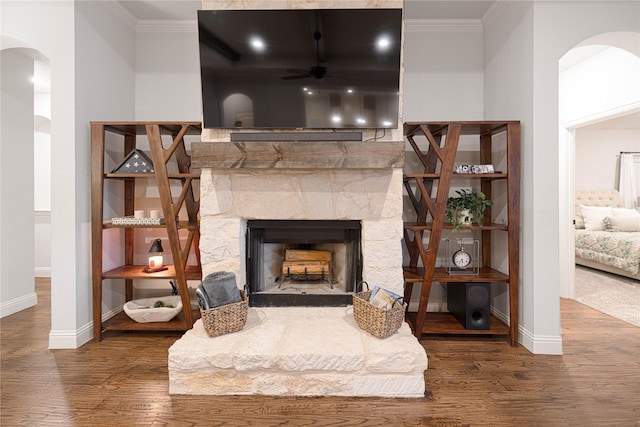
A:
[303,262]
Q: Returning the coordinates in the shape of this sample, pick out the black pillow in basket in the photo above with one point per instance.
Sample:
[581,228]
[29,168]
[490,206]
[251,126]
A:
[217,289]
[223,307]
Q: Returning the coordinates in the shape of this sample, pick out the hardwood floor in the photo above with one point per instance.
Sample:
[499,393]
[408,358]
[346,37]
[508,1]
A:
[471,381]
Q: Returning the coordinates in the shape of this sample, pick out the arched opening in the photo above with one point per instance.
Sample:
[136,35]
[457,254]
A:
[42,167]
[238,111]
[26,174]
[597,83]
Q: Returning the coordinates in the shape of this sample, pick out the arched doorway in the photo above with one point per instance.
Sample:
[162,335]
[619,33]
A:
[26,174]
[597,81]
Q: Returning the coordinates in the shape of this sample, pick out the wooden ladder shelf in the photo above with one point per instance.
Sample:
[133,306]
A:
[422,237]
[180,271]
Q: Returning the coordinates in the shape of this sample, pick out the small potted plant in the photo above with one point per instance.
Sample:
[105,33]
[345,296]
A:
[466,207]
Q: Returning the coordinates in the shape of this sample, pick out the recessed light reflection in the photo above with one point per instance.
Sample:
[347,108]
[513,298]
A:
[386,123]
[257,44]
[336,119]
[361,121]
[383,43]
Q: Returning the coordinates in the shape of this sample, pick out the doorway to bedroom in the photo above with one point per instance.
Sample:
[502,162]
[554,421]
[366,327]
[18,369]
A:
[599,119]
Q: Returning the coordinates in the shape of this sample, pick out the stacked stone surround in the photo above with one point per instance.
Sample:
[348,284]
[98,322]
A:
[229,198]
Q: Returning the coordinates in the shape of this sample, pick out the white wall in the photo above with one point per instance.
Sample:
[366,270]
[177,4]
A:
[597,156]
[443,75]
[17,288]
[167,82]
[92,74]
[42,175]
[94,80]
[105,87]
[509,90]
[601,85]
[524,80]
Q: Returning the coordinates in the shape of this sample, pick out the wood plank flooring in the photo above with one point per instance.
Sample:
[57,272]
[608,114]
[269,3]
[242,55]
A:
[471,381]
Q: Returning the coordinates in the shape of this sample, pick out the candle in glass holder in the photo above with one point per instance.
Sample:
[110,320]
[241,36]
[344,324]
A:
[155,261]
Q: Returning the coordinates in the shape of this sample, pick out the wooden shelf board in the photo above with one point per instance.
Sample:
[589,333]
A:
[413,226]
[139,128]
[415,275]
[122,322]
[446,323]
[192,272]
[468,127]
[150,175]
[458,175]
[182,225]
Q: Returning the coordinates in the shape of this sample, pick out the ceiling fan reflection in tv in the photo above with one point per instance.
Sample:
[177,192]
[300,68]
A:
[317,71]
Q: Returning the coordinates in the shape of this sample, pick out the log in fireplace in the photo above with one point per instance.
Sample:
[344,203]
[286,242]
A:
[277,276]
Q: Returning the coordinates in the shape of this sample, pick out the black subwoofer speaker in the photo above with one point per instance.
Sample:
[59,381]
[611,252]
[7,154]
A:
[470,304]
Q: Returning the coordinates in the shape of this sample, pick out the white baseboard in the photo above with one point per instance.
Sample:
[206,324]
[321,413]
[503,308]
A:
[541,344]
[42,272]
[536,344]
[69,339]
[73,339]
[18,304]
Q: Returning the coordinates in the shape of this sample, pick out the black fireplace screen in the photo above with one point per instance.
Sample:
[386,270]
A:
[303,262]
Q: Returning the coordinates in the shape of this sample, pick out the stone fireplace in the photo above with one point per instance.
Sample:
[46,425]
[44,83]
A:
[312,348]
[261,199]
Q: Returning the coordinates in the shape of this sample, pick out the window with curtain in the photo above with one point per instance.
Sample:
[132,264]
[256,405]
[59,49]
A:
[630,179]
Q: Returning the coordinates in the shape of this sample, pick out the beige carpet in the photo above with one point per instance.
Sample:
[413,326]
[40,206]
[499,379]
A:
[615,295]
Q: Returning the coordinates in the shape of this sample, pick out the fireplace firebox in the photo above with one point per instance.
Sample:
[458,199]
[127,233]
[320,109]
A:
[303,262]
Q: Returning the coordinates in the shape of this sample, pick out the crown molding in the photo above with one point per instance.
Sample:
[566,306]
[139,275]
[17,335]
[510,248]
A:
[150,25]
[123,14]
[493,13]
[166,26]
[441,25]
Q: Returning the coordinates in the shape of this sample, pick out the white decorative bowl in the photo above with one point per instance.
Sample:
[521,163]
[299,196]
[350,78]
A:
[143,310]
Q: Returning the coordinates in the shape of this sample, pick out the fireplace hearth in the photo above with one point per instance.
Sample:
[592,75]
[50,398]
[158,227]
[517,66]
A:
[303,262]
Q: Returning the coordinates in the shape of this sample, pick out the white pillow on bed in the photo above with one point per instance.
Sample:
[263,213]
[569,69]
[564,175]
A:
[622,223]
[594,216]
[625,213]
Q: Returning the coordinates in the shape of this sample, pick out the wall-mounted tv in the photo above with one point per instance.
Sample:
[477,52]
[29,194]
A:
[300,69]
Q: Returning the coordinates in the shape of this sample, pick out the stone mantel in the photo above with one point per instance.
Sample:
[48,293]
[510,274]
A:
[298,155]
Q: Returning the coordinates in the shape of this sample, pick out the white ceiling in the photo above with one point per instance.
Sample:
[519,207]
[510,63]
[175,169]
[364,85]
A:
[414,9]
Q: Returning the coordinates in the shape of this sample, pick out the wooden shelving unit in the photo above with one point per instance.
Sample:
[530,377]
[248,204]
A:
[126,134]
[423,236]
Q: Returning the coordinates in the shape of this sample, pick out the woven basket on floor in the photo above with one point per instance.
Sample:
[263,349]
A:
[225,319]
[377,321]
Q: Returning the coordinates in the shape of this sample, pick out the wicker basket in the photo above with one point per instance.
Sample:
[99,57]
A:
[377,321]
[225,319]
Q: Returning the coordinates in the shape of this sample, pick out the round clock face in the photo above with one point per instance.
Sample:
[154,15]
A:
[461,258]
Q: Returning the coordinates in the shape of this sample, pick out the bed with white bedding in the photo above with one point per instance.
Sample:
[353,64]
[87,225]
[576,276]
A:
[607,236]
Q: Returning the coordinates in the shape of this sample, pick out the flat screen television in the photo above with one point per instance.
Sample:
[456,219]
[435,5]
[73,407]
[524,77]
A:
[300,69]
